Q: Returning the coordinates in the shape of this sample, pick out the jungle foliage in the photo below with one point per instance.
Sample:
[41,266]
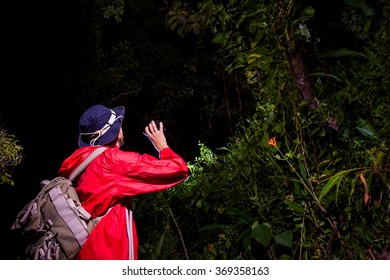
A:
[307,175]
[11,154]
[281,108]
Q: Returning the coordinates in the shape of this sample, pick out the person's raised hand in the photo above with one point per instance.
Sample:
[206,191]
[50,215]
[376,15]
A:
[156,135]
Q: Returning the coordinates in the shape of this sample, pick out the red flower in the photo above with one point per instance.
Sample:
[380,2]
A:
[272,141]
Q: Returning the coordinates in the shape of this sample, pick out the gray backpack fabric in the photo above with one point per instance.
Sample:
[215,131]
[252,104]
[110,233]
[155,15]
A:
[54,223]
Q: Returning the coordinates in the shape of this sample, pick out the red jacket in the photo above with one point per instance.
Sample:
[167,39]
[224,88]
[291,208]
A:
[110,181]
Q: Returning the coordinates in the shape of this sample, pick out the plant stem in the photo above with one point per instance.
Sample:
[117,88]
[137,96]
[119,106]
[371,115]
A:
[178,229]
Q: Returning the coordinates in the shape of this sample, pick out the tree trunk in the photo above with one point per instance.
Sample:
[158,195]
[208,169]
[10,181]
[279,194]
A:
[300,72]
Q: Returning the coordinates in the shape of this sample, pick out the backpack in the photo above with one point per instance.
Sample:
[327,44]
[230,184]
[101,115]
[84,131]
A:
[54,224]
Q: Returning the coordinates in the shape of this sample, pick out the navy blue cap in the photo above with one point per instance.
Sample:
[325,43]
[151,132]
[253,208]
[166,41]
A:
[100,125]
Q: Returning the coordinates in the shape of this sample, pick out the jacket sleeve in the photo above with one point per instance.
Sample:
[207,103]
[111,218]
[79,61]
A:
[145,174]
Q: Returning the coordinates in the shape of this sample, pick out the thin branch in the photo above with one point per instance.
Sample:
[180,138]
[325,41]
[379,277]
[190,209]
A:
[178,229]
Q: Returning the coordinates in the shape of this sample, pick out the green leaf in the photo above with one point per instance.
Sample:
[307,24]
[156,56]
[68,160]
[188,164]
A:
[333,181]
[242,214]
[243,234]
[246,244]
[308,12]
[366,129]
[302,170]
[211,227]
[262,234]
[344,52]
[355,3]
[368,11]
[296,207]
[324,75]
[279,127]
[284,238]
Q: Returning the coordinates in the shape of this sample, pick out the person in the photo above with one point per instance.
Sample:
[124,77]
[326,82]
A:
[110,181]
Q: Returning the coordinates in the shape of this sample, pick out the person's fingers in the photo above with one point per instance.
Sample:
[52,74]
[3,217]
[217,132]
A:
[148,130]
[153,126]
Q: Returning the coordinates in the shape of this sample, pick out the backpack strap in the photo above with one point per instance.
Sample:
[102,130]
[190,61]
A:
[87,161]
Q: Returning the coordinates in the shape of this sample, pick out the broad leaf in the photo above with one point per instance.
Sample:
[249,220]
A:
[262,234]
[284,238]
[296,207]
